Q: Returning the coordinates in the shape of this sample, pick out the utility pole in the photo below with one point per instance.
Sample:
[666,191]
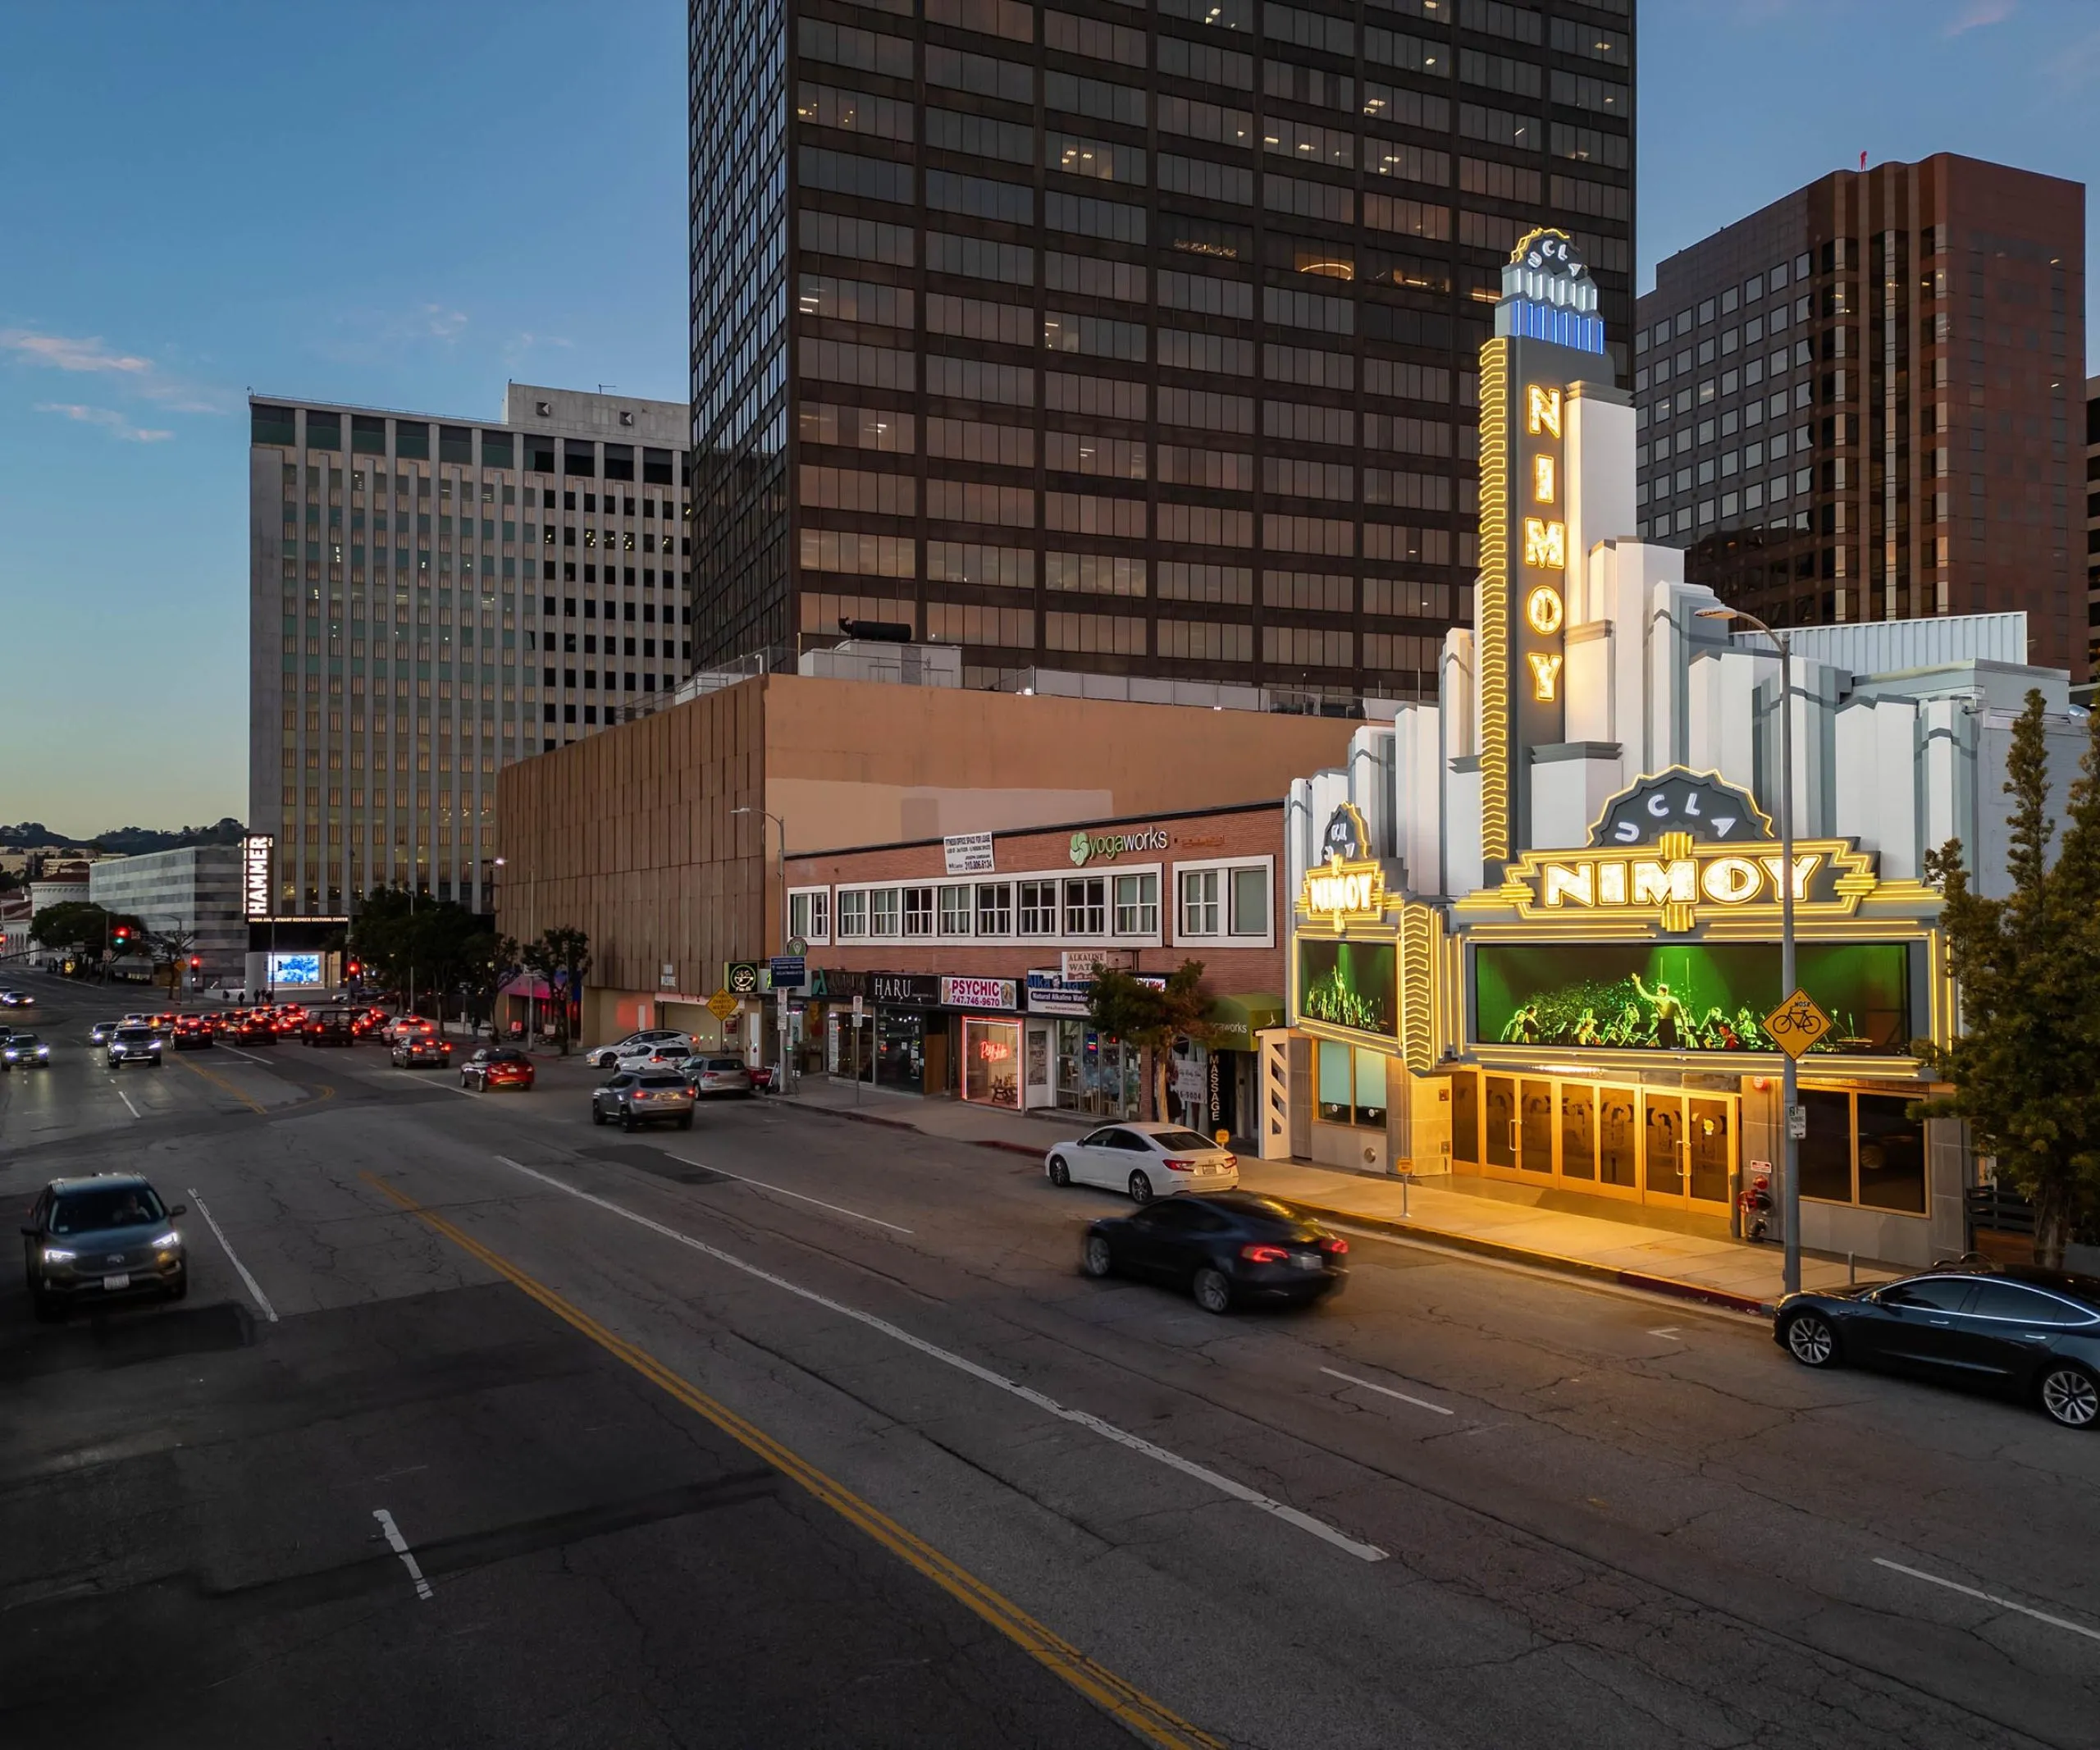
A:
[1790,1183]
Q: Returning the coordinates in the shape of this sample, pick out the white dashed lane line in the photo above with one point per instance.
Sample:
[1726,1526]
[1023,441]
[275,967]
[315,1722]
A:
[1986,1598]
[1419,1403]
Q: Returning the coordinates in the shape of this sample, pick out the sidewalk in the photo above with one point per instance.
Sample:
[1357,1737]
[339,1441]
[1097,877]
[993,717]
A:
[1508,1223]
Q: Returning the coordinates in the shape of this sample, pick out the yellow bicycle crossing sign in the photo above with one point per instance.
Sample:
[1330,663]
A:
[1797,1024]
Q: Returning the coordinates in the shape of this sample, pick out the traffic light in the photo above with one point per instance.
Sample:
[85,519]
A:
[351,968]
[121,934]
[195,962]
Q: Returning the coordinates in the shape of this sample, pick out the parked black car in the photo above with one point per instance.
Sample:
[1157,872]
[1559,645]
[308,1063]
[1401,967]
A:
[2030,1334]
[1226,1247]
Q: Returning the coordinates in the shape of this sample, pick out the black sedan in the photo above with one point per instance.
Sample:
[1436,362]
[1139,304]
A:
[1227,1248]
[2029,1334]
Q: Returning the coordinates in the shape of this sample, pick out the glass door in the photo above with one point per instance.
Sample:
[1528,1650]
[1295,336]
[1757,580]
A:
[1618,1139]
[1662,1150]
[1711,1149]
[1578,1131]
[1500,1103]
[1535,1128]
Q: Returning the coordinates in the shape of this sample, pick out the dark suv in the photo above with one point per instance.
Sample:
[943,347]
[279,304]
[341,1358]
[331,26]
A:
[90,1239]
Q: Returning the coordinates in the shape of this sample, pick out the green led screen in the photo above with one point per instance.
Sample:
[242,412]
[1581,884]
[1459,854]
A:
[1643,996]
[1348,984]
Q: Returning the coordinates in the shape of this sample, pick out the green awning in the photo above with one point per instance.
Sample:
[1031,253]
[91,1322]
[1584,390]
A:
[1239,1019]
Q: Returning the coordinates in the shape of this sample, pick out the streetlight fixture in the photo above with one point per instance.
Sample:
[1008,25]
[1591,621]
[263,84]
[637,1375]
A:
[1790,1187]
[787,1068]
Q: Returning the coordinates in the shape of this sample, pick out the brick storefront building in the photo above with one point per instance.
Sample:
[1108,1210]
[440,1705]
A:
[972,956]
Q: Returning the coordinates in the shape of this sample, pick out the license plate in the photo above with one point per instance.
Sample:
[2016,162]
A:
[1306,1260]
[117,1281]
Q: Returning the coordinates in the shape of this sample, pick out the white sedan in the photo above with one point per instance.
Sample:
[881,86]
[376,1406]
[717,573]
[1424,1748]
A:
[1146,1160]
[639,1047]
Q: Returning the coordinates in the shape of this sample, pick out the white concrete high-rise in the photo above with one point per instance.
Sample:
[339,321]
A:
[430,601]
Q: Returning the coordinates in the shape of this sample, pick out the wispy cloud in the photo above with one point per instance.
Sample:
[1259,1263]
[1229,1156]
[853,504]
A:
[116,424]
[64,353]
[2075,65]
[441,323]
[1977,15]
[136,373]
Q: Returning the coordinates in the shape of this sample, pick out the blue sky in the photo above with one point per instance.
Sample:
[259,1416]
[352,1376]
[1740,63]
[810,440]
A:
[407,204]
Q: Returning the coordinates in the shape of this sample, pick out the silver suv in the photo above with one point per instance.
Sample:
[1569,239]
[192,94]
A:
[632,1098]
[130,1045]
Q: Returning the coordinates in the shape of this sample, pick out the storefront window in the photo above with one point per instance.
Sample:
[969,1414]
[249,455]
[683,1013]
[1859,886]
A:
[1250,901]
[1826,1152]
[1199,902]
[1352,1085]
[1097,1075]
[1086,906]
[1137,905]
[1862,1149]
[900,1050]
[809,915]
[1370,1088]
[1038,908]
[991,1063]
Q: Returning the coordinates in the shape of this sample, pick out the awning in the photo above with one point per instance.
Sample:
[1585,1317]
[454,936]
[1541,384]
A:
[1239,1019]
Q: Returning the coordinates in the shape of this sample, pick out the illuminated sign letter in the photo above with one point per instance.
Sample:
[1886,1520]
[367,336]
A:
[1731,880]
[1571,884]
[1611,883]
[1546,675]
[1543,479]
[1546,544]
[1542,608]
[1543,410]
[1651,883]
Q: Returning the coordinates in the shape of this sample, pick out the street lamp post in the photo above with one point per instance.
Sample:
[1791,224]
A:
[1790,1186]
[786,1067]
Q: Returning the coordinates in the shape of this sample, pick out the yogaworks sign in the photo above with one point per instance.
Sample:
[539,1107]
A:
[1105,848]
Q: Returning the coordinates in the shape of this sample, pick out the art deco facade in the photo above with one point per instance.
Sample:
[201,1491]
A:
[1122,337]
[430,602]
[1862,402]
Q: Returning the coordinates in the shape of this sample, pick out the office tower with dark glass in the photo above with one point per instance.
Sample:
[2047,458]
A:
[1862,402]
[430,601]
[1132,338]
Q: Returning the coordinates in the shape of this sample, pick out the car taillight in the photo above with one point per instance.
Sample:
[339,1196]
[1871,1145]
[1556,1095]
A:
[1178,1166]
[1263,1254]
[1336,1246]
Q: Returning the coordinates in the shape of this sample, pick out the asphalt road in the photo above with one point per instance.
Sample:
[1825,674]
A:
[791,1430]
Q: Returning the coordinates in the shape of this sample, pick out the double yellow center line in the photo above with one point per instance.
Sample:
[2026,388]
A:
[1149,1720]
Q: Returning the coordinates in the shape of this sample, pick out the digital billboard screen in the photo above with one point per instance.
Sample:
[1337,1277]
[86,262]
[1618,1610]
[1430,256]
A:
[1348,984]
[294,969]
[1689,996]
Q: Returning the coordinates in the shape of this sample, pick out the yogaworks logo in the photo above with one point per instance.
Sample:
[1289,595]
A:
[1088,847]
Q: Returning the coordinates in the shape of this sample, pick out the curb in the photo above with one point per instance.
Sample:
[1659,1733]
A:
[1553,1261]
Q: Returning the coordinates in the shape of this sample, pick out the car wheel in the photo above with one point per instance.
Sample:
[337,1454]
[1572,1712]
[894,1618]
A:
[2069,1396]
[1140,1188]
[1810,1340]
[685,1121]
[1213,1292]
[626,1121]
[1095,1259]
[181,1287]
[46,1306]
[597,1113]
[1060,1175]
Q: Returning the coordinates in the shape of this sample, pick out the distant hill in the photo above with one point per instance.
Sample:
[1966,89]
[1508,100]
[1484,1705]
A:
[123,841]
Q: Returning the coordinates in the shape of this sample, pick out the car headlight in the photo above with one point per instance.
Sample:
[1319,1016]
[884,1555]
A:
[43,1051]
[168,1241]
[57,1255]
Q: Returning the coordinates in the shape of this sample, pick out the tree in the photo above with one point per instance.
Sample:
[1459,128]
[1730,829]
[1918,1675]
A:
[486,961]
[410,940]
[1151,1017]
[2027,970]
[561,956]
[82,923]
[170,949]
